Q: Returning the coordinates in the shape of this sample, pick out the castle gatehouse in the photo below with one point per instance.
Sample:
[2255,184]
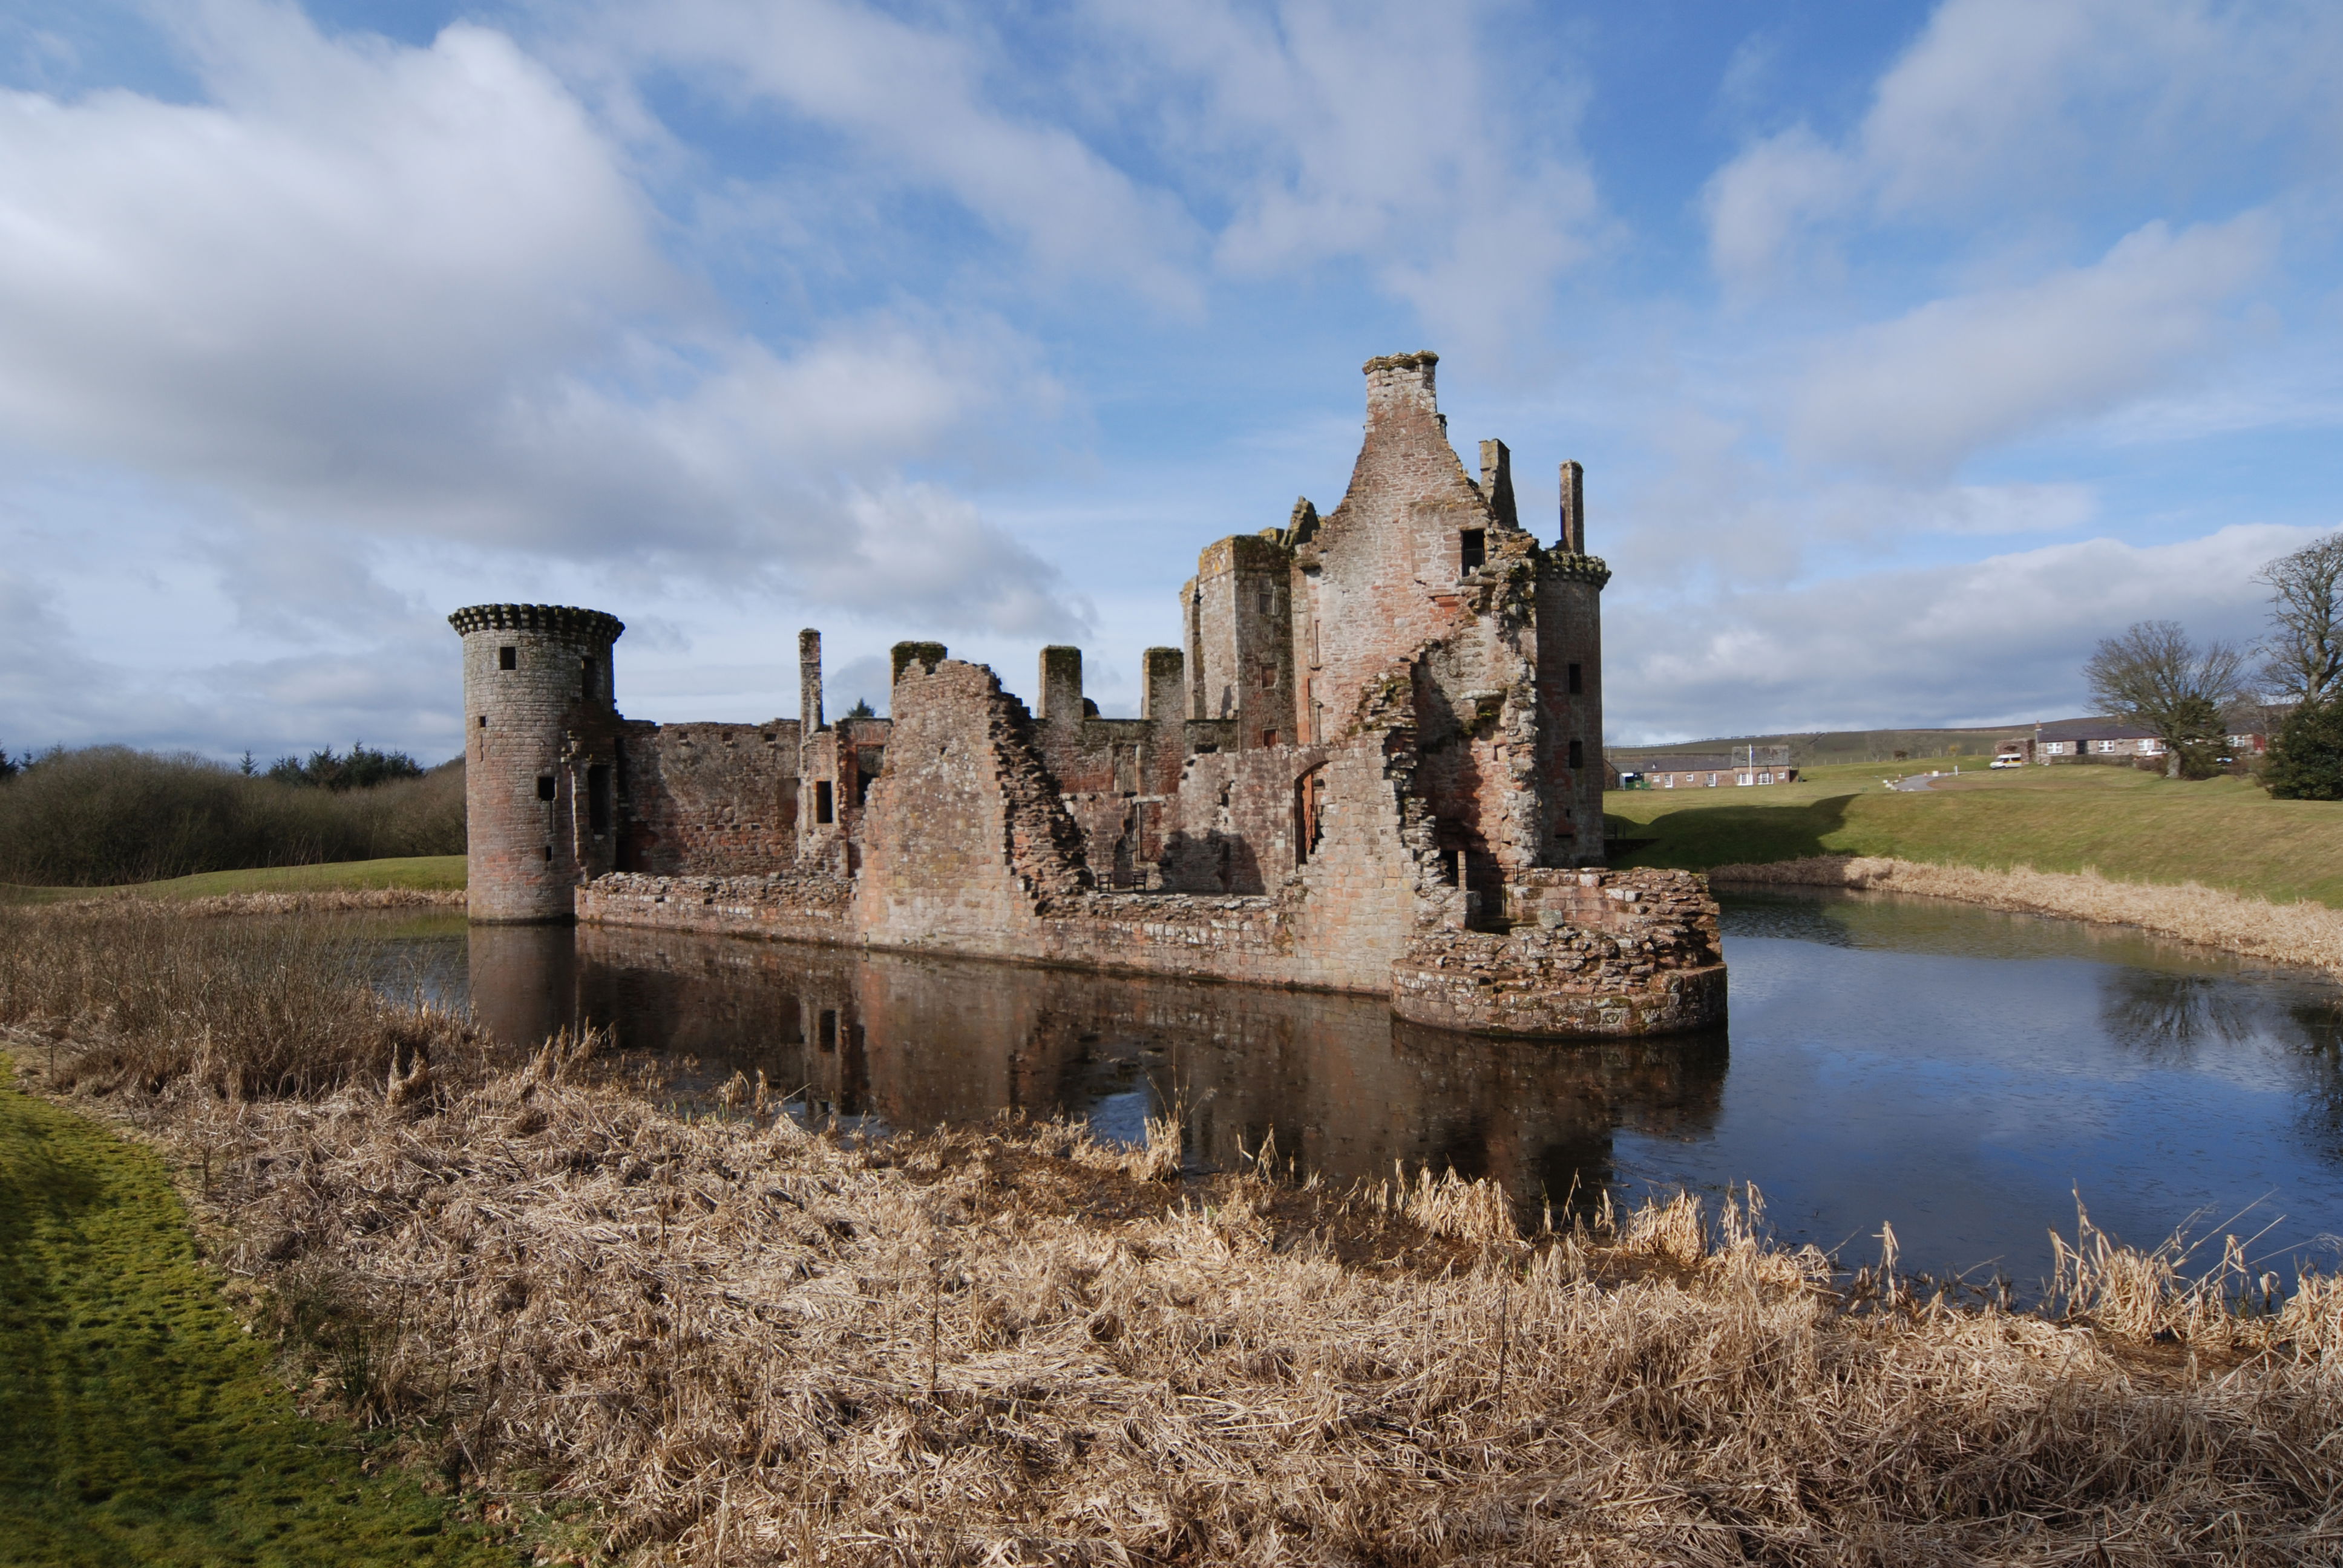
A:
[1373,765]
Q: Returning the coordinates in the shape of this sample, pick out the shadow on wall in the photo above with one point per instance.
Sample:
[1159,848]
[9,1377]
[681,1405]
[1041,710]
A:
[1699,836]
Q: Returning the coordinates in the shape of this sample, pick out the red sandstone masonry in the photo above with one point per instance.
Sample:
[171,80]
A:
[1410,674]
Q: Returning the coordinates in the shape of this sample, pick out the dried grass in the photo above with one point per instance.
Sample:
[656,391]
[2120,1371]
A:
[148,998]
[745,1343]
[320,902]
[2305,935]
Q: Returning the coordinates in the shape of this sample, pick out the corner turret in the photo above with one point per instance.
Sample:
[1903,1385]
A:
[541,721]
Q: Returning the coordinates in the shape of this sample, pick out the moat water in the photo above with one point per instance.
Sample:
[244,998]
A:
[1959,1074]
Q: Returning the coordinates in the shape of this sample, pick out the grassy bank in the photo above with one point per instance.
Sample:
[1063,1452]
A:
[2129,826]
[415,873]
[741,1341]
[138,1422]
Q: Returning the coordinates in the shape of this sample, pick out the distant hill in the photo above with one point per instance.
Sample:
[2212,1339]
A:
[1822,747]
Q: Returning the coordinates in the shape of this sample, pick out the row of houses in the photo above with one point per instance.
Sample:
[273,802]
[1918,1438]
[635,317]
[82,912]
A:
[1747,765]
[2104,740]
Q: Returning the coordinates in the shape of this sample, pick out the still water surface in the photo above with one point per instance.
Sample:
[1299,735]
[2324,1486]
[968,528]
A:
[1958,1073]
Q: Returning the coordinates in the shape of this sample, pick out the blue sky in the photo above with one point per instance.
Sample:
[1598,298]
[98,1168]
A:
[1909,349]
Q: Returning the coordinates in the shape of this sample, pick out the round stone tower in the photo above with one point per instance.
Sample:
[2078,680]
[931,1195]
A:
[540,731]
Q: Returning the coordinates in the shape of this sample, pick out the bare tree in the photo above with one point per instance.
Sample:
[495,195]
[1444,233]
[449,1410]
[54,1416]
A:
[2302,657]
[2154,676]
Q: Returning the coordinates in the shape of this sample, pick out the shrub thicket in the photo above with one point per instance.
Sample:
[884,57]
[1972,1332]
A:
[107,815]
[2305,755]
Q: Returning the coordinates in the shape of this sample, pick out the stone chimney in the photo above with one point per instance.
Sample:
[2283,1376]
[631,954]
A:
[1573,510]
[809,683]
[1497,482]
[1401,384]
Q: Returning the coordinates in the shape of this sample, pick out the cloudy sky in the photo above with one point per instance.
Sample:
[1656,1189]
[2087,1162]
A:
[1909,348]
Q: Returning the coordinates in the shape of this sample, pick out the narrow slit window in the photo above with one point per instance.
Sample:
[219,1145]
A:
[828,1037]
[823,810]
[507,658]
[1475,548]
[549,854]
[1578,754]
[1577,680]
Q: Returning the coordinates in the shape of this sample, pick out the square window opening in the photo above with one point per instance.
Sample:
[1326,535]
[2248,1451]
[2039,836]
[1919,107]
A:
[1474,551]
[507,658]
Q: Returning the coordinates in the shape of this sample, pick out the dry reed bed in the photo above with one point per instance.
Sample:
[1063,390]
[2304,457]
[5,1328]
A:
[746,1344]
[316,901]
[2305,935]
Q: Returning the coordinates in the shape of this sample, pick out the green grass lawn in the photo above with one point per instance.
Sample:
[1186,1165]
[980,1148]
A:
[2222,832]
[427,872]
[139,1424]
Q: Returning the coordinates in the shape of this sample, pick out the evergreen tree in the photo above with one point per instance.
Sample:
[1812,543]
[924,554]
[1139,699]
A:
[2305,755]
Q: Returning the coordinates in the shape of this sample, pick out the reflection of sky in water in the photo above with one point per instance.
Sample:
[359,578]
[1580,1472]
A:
[1962,1073]
[1957,1073]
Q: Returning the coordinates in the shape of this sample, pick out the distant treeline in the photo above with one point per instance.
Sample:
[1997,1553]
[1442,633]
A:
[106,814]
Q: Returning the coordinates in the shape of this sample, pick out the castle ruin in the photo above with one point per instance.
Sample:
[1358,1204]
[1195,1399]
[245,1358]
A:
[1375,765]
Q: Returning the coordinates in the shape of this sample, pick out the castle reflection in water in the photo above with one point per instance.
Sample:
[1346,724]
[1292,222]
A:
[914,1041]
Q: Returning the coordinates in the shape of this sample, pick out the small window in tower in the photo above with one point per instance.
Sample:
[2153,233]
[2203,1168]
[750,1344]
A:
[1268,676]
[823,809]
[1268,602]
[549,854]
[1577,680]
[545,786]
[1475,549]
[1578,754]
[826,1034]
[507,658]
[598,800]
[484,721]
[1268,737]
[585,675]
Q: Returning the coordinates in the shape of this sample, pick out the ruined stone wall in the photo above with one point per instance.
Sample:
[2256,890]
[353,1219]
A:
[1570,697]
[1243,638]
[965,835]
[1387,561]
[805,904]
[710,799]
[1596,953]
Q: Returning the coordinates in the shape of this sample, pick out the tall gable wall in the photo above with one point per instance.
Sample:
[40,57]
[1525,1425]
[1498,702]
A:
[963,837]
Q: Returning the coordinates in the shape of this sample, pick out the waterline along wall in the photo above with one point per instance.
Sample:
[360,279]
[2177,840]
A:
[1374,765]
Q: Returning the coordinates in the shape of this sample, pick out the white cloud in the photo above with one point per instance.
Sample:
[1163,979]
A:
[363,291]
[2006,107]
[1919,394]
[912,103]
[1982,642]
[1382,132]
